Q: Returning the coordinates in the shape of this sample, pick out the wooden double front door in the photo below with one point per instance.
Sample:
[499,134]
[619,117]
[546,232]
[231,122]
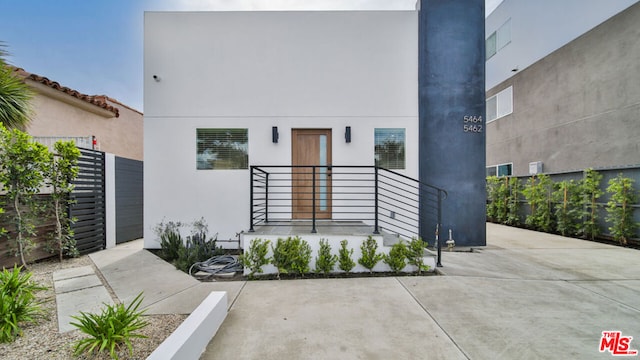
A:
[311,147]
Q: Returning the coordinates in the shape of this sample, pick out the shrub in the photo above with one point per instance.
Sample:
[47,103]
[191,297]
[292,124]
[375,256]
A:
[325,261]
[18,304]
[513,218]
[568,207]
[369,257]
[256,256]
[199,248]
[108,331]
[291,256]
[538,195]
[415,254]
[591,192]
[619,209]
[345,262]
[397,257]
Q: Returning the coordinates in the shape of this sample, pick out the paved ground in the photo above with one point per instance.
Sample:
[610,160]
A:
[526,295]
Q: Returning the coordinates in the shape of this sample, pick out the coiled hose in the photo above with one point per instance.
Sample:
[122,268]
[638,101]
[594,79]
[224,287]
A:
[221,264]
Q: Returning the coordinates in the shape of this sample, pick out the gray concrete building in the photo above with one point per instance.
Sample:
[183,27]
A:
[576,107]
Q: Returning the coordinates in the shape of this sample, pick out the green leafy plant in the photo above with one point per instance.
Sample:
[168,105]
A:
[397,257]
[493,182]
[325,261]
[255,257]
[15,97]
[199,247]
[61,168]
[22,175]
[113,328]
[345,261]
[369,257]
[291,255]
[415,254]
[620,210]
[18,303]
[567,197]
[591,192]
[513,218]
[538,192]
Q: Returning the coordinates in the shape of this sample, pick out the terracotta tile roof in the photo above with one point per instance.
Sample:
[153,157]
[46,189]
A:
[97,100]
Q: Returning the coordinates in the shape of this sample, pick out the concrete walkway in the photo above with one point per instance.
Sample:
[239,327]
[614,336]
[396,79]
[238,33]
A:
[527,295]
[125,271]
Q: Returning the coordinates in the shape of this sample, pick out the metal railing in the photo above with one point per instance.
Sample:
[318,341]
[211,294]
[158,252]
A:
[384,199]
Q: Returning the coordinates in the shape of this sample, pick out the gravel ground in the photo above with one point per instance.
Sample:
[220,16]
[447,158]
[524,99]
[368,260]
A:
[43,341]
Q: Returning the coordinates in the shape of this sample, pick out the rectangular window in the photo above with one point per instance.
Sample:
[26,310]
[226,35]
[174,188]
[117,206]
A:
[491,46]
[503,35]
[500,170]
[389,148]
[501,104]
[220,149]
[505,170]
[498,39]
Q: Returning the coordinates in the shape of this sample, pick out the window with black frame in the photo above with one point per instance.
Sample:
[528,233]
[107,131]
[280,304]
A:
[222,149]
[390,148]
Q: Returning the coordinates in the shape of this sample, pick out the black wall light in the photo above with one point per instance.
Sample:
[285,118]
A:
[347,134]
[274,134]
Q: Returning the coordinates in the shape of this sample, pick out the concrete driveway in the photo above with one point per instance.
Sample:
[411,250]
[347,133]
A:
[527,295]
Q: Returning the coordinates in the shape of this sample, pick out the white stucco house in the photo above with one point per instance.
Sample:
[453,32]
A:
[224,91]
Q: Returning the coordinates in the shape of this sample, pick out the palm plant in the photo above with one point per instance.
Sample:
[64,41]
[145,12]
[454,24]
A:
[15,97]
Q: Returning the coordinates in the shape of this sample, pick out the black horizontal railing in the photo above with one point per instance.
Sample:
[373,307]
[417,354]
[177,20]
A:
[384,199]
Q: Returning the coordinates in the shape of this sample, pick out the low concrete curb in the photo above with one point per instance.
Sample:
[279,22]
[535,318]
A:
[190,339]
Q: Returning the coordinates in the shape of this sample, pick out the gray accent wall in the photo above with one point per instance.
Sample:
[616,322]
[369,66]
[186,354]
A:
[451,115]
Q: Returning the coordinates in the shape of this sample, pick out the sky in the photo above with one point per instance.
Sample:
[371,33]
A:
[96,47]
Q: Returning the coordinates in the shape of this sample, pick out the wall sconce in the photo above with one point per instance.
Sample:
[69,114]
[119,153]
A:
[347,134]
[156,78]
[274,134]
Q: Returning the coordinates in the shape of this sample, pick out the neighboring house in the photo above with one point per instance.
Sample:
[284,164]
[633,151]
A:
[239,107]
[563,86]
[61,112]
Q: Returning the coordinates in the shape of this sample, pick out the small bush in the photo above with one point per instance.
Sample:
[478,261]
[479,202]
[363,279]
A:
[291,256]
[415,254]
[198,248]
[170,245]
[620,210]
[568,207]
[18,304]
[345,262]
[397,257]
[325,261]
[538,192]
[108,331]
[591,192]
[256,256]
[369,257]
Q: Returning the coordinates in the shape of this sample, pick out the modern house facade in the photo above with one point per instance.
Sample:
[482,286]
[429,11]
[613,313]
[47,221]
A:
[563,86]
[239,102]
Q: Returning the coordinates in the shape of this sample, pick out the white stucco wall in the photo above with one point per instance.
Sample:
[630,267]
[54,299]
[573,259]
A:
[256,70]
[541,27]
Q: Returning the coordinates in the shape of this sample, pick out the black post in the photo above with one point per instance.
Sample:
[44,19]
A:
[376,229]
[313,201]
[438,225]
[266,198]
[251,199]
